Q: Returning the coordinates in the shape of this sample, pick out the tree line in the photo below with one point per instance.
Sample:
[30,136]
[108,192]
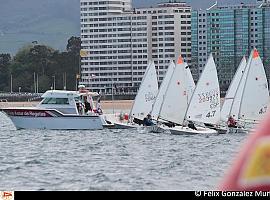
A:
[40,66]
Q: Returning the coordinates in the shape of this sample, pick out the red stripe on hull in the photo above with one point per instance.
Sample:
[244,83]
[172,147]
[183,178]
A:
[27,113]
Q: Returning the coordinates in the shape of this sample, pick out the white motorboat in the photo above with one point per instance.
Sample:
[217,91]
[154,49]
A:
[59,110]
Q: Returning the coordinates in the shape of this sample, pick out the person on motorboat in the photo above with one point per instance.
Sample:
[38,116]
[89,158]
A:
[80,107]
[87,105]
[231,122]
[191,125]
[87,101]
[98,106]
[82,89]
[147,121]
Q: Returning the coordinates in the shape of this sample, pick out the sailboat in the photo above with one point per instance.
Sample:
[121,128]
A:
[231,103]
[176,98]
[204,105]
[182,72]
[143,102]
[228,109]
[252,96]
[162,90]
[158,128]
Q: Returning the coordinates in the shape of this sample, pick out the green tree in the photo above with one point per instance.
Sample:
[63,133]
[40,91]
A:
[74,45]
[5,60]
[45,62]
[28,61]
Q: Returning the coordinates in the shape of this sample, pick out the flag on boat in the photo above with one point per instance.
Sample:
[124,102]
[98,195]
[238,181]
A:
[83,53]
[180,60]
[251,169]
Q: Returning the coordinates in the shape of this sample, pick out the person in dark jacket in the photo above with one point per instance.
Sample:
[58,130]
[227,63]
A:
[147,121]
[191,125]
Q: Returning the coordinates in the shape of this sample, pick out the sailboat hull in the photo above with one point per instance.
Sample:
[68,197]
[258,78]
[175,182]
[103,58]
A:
[158,129]
[118,125]
[180,130]
[237,130]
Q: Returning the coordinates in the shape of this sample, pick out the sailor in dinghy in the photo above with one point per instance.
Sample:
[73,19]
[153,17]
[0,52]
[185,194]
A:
[245,105]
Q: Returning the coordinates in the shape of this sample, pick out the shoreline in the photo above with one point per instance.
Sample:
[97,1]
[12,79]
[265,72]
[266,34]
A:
[105,105]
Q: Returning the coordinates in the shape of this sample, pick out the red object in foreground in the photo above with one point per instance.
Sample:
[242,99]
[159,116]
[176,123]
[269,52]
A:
[251,169]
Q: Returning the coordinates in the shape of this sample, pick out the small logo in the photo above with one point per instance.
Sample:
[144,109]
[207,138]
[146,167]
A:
[7,195]
[198,193]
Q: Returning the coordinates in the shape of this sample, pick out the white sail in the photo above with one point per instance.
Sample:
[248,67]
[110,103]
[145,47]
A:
[231,100]
[205,102]
[255,97]
[235,108]
[147,93]
[175,100]
[162,90]
[190,82]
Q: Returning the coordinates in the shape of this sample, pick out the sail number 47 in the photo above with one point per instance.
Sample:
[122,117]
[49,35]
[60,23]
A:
[211,114]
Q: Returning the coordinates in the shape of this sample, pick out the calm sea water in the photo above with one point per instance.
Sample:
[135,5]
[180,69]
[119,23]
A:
[112,159]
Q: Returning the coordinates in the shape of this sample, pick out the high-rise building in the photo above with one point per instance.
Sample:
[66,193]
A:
[230,32]
[120,41]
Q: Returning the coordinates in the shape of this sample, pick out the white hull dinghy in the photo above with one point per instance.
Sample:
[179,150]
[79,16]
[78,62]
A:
[180,130]
[158,128]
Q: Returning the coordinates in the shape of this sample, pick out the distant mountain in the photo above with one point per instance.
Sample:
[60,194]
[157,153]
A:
[53,22]
[49,22]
